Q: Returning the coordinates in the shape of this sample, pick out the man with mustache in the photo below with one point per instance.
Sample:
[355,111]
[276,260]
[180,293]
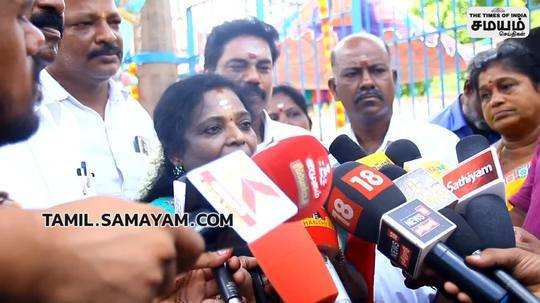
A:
[93,138]
[364,80]
[47,16]
[68,265]
[245,51]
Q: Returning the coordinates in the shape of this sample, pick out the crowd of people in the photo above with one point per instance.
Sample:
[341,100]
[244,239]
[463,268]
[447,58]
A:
[73,141]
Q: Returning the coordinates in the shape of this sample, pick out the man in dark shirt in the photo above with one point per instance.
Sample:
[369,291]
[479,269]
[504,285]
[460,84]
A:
[464,117]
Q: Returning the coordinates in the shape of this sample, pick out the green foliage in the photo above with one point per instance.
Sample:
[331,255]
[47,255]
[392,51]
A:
[433,86]
[535,17]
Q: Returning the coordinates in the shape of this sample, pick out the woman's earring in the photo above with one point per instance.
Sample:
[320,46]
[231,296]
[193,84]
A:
[178,171]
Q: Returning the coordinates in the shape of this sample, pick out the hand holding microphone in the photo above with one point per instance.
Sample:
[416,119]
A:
[488,216]
[363,195]
[205,282]
[524,266]
[278,185]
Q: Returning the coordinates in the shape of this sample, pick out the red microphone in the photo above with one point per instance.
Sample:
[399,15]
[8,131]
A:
[300,167]
[322,231]
[287,254]
[478,173]
[293,264]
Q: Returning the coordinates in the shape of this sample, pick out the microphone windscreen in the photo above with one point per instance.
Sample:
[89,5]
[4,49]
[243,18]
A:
[300,168]
[370,195]
[322,231]
[392,171]
[470,146]
[489,218]
[401,151]
[344,149]
[287,255]
[463,241]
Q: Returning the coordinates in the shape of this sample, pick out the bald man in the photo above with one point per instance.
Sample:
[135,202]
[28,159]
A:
[364,80]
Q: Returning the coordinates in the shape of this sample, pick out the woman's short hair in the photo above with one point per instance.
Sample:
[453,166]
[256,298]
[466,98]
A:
[173,115]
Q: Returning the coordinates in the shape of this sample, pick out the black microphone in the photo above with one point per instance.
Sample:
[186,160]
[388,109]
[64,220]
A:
[401,151]
[464,241]
[392,171]
[228,289]
[470,146]
[360,195]
[414,234]
[216,238]
[489,217]
[364,199]
[478,173]
[344,149]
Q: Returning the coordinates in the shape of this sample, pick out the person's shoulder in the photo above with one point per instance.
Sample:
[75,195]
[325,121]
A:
[51,90]
[130,106]
[445,117]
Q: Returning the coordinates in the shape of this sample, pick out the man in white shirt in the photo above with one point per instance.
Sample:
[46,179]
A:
[93,139]
[364,81]
[245,51]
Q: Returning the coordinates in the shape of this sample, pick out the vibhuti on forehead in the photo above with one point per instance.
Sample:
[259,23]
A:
[225,104]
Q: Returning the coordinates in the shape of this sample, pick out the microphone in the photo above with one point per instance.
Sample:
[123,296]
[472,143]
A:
[301,169]
[344,149]
[228,289]
[469,146]
[420,184]
[413,234]
[322,231]
[489,217]
[464,241]
[357,198]
[477,174]
[380,202]
[286,255]
[392,171]
[215,239]
[299,166]
[406,154]
[261,208]
[401,151]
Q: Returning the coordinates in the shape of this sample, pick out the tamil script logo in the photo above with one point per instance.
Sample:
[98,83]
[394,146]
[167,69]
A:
[498,22]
